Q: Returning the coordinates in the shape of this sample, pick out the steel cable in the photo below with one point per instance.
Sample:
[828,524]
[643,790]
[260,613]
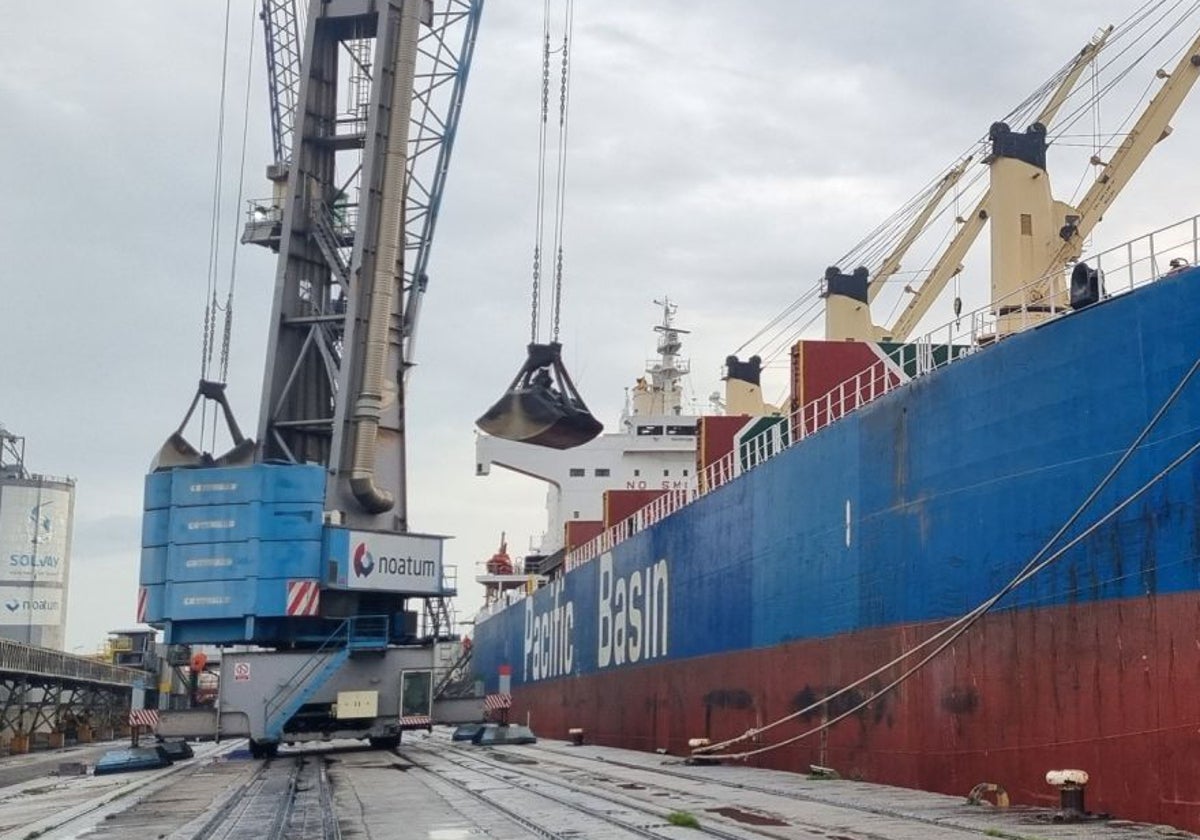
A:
[214,239]
[227,329]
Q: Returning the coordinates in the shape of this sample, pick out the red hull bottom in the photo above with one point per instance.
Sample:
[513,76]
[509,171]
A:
[1110,688]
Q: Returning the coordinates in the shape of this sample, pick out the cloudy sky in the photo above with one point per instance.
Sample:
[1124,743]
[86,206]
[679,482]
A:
[722,153]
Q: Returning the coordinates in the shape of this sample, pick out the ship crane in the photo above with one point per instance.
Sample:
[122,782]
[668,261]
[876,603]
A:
[1152,127]
[848,315]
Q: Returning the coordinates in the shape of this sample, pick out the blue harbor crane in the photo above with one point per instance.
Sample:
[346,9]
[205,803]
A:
[298,542]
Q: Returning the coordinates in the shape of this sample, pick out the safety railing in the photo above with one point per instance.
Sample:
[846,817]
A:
[364,632]
[367,632]
[1122,268]
[449,579]
[18,658]
[262,211]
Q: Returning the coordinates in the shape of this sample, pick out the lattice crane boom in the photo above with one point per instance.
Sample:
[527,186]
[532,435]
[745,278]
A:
[354,235]
[281,29]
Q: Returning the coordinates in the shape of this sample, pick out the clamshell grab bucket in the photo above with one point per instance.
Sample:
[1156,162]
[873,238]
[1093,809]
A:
[178,452]
[541,407]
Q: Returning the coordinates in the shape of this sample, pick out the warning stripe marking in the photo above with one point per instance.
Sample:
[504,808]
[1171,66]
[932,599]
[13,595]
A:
[303,597]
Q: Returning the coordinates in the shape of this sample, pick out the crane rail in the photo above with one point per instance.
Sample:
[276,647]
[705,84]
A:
[575,810]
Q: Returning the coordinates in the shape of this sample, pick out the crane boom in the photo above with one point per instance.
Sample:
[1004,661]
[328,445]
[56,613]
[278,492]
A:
[1150,128]
[891,263]
[950,262]
[352,254]
[281,29]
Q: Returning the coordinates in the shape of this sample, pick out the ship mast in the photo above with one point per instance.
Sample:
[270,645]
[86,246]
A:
[662,392]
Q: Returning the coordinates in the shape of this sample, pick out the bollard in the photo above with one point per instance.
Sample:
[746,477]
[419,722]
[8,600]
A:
[695,744]
[576,736]
[1070,784]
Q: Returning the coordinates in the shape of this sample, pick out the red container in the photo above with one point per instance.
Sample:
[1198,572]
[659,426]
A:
[714,440]
[619,505]
[579,532]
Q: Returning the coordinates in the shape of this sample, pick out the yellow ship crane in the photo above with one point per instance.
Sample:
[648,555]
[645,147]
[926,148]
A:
[848,318]
[1152,127]
[1034,236]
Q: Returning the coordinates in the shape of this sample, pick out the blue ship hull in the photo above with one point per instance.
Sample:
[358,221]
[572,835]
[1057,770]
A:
[823,563]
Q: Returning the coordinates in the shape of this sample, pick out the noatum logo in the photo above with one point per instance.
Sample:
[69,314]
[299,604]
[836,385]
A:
[364,562]
[407,567]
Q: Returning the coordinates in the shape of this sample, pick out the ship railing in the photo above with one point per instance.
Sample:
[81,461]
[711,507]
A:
[1123,268]
[506,599]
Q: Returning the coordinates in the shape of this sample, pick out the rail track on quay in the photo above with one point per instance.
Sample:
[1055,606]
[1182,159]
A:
[207,797]
[68,806]
[552,808]
[434,788]
[288,798]
[736,801]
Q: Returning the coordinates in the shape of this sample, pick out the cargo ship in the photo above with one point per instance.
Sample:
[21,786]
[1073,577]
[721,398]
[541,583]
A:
[969,557]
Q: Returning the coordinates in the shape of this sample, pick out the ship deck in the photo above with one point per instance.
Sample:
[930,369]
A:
[447,791]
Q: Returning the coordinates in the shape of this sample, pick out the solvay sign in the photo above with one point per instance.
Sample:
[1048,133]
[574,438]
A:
[34,529]
[633,613]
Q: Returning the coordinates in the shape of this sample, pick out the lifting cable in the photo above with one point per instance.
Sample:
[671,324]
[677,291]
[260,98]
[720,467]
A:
[542,406]
[560,174]
[212,304]
[958,627]
[227,327]
[214,239]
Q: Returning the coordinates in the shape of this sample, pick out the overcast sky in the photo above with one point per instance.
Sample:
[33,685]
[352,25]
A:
[722,153]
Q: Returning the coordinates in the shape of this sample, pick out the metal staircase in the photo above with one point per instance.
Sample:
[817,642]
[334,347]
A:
[454,680]
[324,232]
[438,619]
[364,633]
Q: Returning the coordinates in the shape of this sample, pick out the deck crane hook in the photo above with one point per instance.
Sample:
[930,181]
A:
[542,406]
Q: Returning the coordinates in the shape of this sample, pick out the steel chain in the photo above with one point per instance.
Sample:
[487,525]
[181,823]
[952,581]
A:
[537,281]
[558,274]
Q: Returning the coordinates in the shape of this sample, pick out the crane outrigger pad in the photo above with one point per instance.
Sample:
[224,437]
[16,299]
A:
[178,452]
[541,407]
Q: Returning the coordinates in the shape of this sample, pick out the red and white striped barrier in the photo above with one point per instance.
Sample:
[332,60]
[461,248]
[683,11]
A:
[496,702]
[416,720]
[143,717]
[143,596]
